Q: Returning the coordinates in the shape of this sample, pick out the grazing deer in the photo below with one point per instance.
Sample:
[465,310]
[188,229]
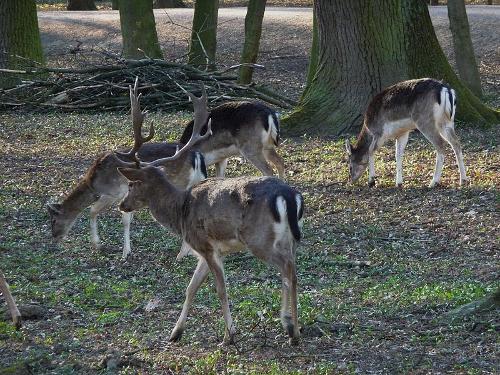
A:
[249,129]
[102,186]
[424,104]
[219,216]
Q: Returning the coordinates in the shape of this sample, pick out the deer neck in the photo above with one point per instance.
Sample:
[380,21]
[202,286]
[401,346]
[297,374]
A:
[80,198]
[366,142]
[167,204]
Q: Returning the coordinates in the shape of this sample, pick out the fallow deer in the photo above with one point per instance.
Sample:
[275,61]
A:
[219,216]
[249,129]
[102,186]
[424,104]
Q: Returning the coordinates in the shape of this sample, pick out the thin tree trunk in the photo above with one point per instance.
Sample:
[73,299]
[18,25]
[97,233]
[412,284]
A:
[159,4]
[11,304]
[462,45]
[253,31]
[139,29]
[81,5]
[204,34]
[364,47]
[20,44]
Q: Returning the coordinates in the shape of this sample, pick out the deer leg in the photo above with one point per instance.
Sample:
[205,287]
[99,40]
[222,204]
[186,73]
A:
[256,157]
[371,170]
[450,136]
[103,203]
[292,277]
[217,269]
[11,304]
[273,157]
[220,168]
[400,149]
[437,140]
[126,219]
[199,275]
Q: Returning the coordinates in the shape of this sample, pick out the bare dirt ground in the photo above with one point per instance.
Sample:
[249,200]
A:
[284,47]
[377,268]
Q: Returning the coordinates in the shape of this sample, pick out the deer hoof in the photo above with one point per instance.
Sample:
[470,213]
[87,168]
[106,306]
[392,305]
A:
[371,183]
[464,182]
[294,341]
[176,335]
[399,185]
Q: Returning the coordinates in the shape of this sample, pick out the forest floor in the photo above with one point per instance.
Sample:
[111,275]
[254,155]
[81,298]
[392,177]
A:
[377,268]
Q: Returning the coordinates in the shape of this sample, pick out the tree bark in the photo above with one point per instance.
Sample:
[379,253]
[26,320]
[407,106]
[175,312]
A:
[158,4]
[253,31]
[364,47]
[81,5]
[462,45]
[20,44]
[115,4]
[204,34]
[314,54]
[139,29]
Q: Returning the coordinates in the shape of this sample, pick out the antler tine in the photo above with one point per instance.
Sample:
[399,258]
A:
[137,121]
[201,115]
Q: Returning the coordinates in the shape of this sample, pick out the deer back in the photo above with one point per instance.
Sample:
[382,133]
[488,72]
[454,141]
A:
[234,125]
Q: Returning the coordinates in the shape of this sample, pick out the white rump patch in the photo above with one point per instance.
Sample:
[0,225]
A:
[272,128]
[280,229]
[299,205]
[447,107]
[196,174]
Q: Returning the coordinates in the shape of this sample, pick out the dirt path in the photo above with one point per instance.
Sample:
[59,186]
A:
[285,61]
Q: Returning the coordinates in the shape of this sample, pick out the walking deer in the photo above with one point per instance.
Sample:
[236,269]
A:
[102,186]
[249,129]
[424,104]
[220,216]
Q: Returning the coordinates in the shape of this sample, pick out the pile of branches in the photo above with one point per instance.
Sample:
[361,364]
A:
[106,87]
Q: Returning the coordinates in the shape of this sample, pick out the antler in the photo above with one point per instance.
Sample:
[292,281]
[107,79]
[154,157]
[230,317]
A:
[201,115]
[137,120]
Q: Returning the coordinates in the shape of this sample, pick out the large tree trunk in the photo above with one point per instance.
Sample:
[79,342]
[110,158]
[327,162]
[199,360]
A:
[158,4]
[253,31]
[364,47]
[115,4]
[81,5]
[20,44]
[462,45]
[204,34]
[139,29]
[314,55]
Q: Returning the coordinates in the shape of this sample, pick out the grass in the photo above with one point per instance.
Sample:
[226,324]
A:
[377,268]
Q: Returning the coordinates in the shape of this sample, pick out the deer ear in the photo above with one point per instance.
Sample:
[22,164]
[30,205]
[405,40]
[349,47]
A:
[348,147]
[132,174]
[54,208]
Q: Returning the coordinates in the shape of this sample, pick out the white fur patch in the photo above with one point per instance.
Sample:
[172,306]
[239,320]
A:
[448,107]
[299,205]
[395,129]
[280,229]
[196,174]
[273,129]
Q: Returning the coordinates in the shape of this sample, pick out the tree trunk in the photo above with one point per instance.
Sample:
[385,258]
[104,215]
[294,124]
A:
[139,29]
[253,31]
[204,34]
[81,5]
[462,45]
[365,47]
[115,4]
[158,4]
[20,44]
[314,54]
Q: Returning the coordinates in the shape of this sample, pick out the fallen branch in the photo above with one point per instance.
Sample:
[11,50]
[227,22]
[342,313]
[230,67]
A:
[105,87]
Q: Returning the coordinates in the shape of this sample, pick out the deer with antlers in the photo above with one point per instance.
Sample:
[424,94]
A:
[220,216]
[249,129]
[102,186]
